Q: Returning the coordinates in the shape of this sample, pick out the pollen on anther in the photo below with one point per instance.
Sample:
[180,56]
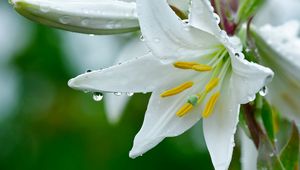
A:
[184,65]
[184,109]
[212,84]
[201,67]
[177,89]
[210,105]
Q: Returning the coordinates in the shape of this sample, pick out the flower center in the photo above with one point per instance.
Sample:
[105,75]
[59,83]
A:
[218,65]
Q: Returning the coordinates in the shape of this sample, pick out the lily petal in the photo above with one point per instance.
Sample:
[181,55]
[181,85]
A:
[161,121]
[248,152]
[116,104]
[248,78]
[219,129]
[167,35]
[88,16]
[203,17]
[143,74]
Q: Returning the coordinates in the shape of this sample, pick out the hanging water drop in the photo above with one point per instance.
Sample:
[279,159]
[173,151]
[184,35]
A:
[217,18]
[129,94]
[263,91]
[117,93]
[97,96]
[91,35]
[142,38]
[88,71]
[271,154]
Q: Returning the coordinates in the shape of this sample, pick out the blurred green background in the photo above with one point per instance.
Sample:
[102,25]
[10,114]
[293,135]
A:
[46,125]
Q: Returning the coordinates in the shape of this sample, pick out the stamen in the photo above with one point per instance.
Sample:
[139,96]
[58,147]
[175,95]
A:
[184,109]
[212,84]
[177,89]
[201,67]
[184,65]
[210,105]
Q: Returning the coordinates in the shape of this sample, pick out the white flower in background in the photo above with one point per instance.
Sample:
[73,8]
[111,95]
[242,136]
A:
[95,52]
[277,12]
[194,70]
[85,16]
[285,89]
[14,35]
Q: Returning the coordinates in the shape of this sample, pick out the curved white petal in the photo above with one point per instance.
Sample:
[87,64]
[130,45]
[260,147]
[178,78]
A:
[161,121]
[116,104]
[220,127]
[203,17]
[248,152]
[88,16]
[248,78]
[168,36]
[143,74]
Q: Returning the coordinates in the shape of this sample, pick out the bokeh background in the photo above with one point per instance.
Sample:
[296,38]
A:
[46,125]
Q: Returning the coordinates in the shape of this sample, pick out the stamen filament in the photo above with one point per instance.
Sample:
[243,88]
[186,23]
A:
[212,84]
[177,89]
[184,109]
[210,105]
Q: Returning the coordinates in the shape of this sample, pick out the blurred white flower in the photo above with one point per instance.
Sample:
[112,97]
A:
[191,67]
[284,91]
[14,34]
[277,12]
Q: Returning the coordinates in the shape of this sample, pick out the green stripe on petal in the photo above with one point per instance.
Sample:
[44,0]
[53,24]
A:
[89,16]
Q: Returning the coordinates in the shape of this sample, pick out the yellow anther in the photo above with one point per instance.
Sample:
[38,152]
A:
[210,105]
[184,65]
[184,109]
[212,84]
[177,89]
[202,67]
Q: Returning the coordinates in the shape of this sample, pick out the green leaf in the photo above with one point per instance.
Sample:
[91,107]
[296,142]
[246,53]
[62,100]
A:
[290,153]
[247,9]
[267,117]
[87,16]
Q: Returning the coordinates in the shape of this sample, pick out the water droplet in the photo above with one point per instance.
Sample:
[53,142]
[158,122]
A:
[65,19]
[117,93]
[86,91]
[129,94]
[263,91]
[142,38]
[157,40]
[251,98]
[44,9]
[91,35]
[217,18]
[223,34]
[271,154]
[85,22]
[186,21]
[88,71]
[97,96]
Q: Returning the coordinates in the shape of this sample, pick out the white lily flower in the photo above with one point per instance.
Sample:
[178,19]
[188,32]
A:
[285,89]
[85,16]
[194,70]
